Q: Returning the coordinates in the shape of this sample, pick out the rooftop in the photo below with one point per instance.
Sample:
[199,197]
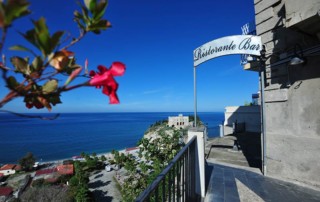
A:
[5,191]
[45,171]
[65,169]
[131,149]
[8,167]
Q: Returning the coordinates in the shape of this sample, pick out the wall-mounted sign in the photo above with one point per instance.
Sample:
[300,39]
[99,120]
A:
[238,44]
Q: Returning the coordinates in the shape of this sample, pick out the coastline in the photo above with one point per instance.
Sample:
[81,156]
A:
[77,132]
[60,161]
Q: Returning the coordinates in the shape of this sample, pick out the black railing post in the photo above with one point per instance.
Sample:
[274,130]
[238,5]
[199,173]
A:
[187,174]
[183,177]
[193,171]
[178,180]
[173,182]
[164,190]
[169,185]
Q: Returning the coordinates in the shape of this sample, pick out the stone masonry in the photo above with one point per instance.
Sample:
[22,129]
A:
[292,93]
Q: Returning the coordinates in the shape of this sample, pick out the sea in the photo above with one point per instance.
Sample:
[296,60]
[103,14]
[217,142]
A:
[73,133]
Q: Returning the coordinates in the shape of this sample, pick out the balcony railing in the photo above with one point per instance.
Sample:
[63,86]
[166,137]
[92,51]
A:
[178,180]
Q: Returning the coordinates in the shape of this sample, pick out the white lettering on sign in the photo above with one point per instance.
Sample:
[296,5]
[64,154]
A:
[238,44]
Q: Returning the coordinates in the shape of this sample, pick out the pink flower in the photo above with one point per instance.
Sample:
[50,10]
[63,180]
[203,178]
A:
[105,79]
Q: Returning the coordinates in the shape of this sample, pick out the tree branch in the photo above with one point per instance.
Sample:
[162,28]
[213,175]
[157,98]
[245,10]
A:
[10,96]
[82,34]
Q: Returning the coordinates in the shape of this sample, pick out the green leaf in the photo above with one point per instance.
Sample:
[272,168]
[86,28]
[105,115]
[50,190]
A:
[12,82]
[98,26]
[15,9]
[20,64]
[21,48]
[85,14]
[50,87]
[87,3]
[78,15]
[55,40]
[30,37]
[55,99]
[100,10]
[92,5]
[37,64]
[96,31]
[42,35]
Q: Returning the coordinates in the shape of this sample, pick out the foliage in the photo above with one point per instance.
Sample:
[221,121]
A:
[156,125]
[79,190]
[120,158]
[78,183]
[37,77]
[103,158]
[157,152]
[38,182]
[246,103]
[63,179]
[27,162]
[82,194]
[191,119]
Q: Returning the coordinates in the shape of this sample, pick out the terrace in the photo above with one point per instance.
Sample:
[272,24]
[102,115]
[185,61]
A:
[219,172]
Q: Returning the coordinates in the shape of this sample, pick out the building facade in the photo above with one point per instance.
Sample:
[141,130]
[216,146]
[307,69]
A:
[290,31]
[8,169]
[178,121]
[248,115]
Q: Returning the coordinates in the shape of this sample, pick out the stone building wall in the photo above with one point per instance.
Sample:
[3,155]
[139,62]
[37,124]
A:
[292,93]
[178,121]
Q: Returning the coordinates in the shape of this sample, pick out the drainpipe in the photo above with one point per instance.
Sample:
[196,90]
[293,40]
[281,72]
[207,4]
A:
[263,124]
[195,95]
[263,111]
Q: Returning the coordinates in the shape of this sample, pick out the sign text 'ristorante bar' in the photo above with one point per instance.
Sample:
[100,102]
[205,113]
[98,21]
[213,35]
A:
[238,44]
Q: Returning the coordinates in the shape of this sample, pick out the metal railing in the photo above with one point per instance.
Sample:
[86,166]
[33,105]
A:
[177,181]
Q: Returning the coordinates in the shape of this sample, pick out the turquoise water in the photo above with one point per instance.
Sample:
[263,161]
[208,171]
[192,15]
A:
[73,133]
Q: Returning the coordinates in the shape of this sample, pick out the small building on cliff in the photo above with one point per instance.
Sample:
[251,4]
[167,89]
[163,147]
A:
[179,121]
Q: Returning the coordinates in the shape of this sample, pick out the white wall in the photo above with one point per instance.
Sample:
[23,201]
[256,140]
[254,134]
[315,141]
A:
[7,172]
[250,115]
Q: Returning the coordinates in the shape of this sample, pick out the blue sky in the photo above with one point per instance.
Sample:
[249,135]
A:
[155,39]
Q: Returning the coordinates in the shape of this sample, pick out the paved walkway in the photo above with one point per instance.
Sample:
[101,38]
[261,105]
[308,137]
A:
[103,186]
[228,183]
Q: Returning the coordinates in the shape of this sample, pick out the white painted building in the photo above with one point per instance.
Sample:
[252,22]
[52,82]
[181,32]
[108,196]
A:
[179,121]
[8,169]
[248,115]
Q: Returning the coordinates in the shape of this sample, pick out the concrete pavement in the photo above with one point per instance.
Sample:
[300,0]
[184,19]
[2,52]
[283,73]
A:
[227,183]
